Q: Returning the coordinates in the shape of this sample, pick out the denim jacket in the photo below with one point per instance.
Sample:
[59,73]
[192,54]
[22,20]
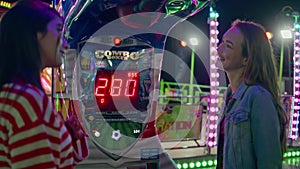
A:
[252,130]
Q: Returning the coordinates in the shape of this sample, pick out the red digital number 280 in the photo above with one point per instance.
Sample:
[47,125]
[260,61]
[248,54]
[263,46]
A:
[117,87]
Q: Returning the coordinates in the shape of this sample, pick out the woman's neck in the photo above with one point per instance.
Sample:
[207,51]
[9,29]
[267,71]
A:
[235,80]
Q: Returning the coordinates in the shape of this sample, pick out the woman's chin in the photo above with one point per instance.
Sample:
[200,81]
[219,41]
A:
[219,65]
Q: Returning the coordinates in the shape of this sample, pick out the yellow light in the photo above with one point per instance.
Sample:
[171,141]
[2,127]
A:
[5,4]
[183,43]
[269,35]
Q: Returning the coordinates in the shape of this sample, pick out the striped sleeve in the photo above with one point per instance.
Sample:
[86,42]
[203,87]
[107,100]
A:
[33,135]
[26,144]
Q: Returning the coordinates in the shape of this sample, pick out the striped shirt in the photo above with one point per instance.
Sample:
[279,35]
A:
[32,134]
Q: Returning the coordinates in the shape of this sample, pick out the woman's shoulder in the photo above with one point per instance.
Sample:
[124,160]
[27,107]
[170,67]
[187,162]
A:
[22,97]
[258,90]
[22,89]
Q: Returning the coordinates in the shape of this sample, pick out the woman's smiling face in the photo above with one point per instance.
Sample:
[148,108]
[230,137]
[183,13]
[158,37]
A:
[230,50]
[51,44]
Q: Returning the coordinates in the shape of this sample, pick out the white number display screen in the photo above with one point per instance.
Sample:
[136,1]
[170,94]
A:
[117,90]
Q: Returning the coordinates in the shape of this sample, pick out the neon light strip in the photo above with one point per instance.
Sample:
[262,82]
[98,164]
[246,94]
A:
[214,92]
[5,4]
[293,134]
[210,162]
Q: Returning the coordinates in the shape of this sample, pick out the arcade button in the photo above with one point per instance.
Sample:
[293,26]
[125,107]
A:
[116,135]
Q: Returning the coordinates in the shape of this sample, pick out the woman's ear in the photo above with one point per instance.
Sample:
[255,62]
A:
[39,36]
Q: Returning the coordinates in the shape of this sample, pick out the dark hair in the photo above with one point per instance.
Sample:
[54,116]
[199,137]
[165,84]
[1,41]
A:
[19,49]
[261,67]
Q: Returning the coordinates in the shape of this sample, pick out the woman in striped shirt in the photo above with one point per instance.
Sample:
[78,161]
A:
[32,134]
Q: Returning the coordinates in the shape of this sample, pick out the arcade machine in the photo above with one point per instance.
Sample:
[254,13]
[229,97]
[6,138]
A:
[112,73]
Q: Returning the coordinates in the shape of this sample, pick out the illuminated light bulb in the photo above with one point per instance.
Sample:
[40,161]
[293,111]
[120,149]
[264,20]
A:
[97,134]
[91,118]
[117,41]
[183,43]
[185,165]
[213,101]
[213,109]
[216,117]
[192,165]
[212,14]
[212,23]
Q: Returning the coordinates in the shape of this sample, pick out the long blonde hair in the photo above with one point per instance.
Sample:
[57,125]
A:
[261,67]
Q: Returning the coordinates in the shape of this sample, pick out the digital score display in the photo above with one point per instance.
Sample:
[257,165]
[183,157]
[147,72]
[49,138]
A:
[117,90]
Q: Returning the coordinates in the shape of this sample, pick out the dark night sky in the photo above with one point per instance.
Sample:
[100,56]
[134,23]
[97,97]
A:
[266,12]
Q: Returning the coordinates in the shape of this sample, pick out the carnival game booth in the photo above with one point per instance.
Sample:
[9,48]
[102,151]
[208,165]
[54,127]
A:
[110,77]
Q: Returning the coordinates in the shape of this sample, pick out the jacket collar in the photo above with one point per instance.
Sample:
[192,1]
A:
[240,91]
